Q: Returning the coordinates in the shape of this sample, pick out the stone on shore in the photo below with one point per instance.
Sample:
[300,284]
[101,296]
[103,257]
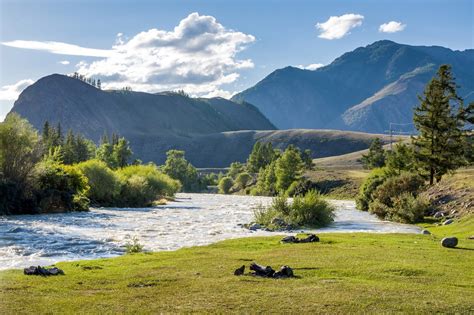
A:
[449,242]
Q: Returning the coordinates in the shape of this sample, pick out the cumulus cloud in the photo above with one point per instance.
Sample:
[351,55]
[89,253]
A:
[392,27]
[312,66]
[64,62]
[339,26]
[59,48]
[198,56]
[11,92]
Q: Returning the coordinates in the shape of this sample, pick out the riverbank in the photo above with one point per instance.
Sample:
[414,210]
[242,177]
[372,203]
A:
[344,273]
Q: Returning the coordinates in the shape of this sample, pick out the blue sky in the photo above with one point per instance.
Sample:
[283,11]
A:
[207,48]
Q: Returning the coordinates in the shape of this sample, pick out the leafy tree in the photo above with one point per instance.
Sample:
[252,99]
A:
[105,153]
[401,158]
[242,180]
[121,152]
[439,147]
[307,158]
[376,156]
[225,184]
[266,180]
[104,183]
[177,167]
[262,154]
[235,169]
[288,168]
[19,149]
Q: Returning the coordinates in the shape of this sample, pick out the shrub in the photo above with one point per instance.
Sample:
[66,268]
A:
[397,200]
[311,209]
[299,187]
[104,183]
[376,178]
[143,184]
[395,186]
[308,210]
[134,246]
[242,180]
[61,187]
[225,184]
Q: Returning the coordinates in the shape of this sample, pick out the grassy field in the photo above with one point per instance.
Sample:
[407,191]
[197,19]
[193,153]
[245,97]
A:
[344,273]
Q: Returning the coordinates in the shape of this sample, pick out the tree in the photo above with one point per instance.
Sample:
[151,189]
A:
[177,167]
[439,146]
[242,180]
[401,158]
[122,152]
[261,156]
[99,84]
[235,169]
[288,168]
[105,153]
[20,149]
[376,156]
[307,158]
[225,184]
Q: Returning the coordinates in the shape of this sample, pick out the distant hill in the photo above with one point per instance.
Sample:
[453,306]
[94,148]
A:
[92,112]
[221,149]
[213,132]
[363,90]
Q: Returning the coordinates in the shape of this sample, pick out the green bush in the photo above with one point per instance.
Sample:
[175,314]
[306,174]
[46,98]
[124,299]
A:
[311,209]
[143,184]
[395,186]
[134,246]
[60,187]
[376,178]
[396,199]
[242,180]
[104,183]
[405,208]
[308,210]
[225,184]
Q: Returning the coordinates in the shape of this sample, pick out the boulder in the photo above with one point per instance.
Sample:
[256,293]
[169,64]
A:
[41,271]
[255,227]
[289,239]
[261,270]
[426,232]
[449,242]
[285,272]
[239,271]
[310,239]
[438,214]
[447,222]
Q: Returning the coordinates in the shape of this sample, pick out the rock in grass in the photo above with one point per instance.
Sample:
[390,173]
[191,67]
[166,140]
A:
[289,239]
[310,239]
[426,232]
[438,214]
[255,227]
[448,222]
[41,271]
[449,242]
[239,271]
[285,272]
[471,237]
[261,270]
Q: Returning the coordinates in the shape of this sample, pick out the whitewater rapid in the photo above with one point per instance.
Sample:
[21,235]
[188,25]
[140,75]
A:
[191,220]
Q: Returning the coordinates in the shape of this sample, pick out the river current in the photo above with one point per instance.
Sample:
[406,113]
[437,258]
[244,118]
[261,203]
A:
[191,220]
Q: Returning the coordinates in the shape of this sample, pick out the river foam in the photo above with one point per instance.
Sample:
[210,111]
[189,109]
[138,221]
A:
[192,220]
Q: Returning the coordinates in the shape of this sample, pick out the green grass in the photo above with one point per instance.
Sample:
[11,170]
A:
[344,273]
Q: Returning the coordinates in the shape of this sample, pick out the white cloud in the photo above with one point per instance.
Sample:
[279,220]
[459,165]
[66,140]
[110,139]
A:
[312,66]
[198,56]
[59,48]
[339,26]
[64,62]
[392,27]
[11,92]
[219,93]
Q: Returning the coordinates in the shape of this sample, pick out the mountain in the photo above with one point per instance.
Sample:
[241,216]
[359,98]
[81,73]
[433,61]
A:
[363,90]
[93,112]
[213,132]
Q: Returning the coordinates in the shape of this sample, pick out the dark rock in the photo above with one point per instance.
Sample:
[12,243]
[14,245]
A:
[255,227]
[447,222]
[290,239]
[285,272]
[32,270]
[262,271]
[471,237]
[449,242]
[310,239]
[426,232]
[239,271]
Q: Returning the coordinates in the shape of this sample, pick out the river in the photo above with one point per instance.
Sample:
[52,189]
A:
[193,219]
